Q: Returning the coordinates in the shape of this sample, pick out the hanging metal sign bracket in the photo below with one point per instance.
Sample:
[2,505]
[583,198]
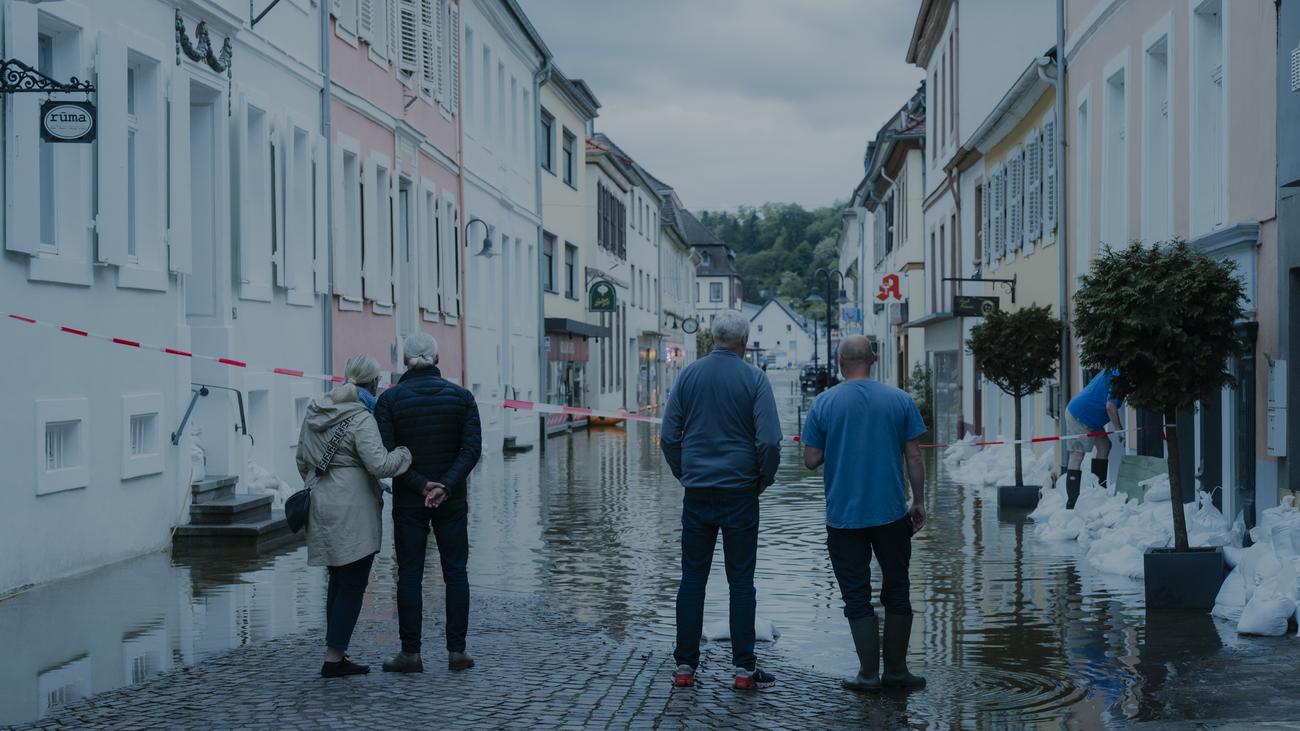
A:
[17,77]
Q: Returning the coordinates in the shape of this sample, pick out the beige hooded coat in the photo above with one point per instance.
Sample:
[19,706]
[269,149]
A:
[345,523]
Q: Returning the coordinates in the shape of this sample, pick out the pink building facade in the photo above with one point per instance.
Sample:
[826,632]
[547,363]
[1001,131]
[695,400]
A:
[397,255]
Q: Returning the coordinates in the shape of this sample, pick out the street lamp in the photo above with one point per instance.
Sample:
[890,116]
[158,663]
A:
[487,237]
[830,276]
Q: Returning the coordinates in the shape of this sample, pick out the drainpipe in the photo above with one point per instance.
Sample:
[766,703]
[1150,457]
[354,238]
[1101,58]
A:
[327,94]
[1063,395]
[542,76]
[462,230]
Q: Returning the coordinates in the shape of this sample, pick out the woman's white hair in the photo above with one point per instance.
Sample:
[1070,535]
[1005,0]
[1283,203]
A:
[730,329]
[421,350]
[361,369]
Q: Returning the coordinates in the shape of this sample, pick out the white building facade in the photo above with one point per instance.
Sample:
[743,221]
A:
[193,223]
[780,336]
[504,60]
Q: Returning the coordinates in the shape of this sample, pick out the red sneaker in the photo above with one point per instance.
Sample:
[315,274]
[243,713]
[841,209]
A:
[753,680]
[684,677]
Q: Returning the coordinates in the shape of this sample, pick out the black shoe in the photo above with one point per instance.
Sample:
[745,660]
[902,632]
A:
[342,668]
[866,640]
[1101,470]
[898,631]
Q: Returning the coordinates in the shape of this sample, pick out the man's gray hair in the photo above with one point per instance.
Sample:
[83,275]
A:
[421,350]
[361,369]
[730,329]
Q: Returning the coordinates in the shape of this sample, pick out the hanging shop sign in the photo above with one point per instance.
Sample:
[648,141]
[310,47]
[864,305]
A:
[969,306]
[68,122]
[602,297]
[891,288]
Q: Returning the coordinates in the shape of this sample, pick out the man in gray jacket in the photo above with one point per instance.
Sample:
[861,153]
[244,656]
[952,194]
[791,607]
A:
[722,440]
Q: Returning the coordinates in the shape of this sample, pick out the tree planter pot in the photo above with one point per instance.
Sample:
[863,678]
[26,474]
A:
[1183,580]
[1018,497]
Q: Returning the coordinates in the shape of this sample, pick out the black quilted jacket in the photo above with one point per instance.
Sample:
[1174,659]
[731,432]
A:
[438,421]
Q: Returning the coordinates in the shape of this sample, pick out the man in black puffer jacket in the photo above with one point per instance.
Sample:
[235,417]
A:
[438,421]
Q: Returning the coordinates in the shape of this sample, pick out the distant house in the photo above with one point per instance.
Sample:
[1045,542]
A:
[779,336]
[717,283]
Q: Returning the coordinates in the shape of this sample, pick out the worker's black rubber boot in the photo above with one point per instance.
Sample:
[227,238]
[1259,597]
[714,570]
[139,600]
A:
[1100,468]
[866,640]
[1072,480]
[898,631]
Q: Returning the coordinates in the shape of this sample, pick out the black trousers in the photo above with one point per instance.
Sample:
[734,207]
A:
[347,588]
[450,524]
[851,550]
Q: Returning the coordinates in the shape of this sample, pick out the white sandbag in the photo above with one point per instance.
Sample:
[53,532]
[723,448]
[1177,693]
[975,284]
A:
[1155,489]
[1273,604]
[1232,597]
[764,630]
[1206,526]
[258,479]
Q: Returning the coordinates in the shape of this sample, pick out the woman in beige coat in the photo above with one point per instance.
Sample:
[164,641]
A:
[344,524]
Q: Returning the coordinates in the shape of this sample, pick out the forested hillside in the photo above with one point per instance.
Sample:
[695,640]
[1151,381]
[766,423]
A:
[778,246]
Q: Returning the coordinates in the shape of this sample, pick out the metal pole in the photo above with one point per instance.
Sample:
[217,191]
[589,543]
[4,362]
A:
[327,93]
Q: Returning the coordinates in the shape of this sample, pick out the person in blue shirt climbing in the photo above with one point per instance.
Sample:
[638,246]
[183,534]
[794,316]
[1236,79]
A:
[1088,413]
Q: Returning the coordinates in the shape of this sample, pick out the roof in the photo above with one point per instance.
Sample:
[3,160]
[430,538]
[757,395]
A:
[930,20]
[577,92]
[798,319]
[629,166]
[697,234]
[1013,106]
[717,260]
[750,310]
[529,29]
[904,130]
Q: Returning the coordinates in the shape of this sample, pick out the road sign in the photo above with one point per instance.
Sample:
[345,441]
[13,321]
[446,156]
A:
[971,306]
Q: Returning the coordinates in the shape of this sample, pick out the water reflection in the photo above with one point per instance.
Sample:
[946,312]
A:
[1012,631]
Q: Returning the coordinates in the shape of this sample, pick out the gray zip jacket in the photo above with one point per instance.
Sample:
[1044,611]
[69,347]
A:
[721,429]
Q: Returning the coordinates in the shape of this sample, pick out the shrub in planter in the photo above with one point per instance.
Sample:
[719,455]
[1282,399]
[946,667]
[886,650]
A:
[1165,316]
[1017,352]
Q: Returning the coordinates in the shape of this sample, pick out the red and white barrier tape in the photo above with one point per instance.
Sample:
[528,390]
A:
[514,404]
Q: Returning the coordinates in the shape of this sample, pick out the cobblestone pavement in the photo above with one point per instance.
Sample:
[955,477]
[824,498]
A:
[535,670]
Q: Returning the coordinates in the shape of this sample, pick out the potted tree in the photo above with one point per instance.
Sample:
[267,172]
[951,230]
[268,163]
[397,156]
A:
[1017,352]
[1165,316]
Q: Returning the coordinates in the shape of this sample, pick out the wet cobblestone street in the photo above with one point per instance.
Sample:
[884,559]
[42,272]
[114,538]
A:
[574,566]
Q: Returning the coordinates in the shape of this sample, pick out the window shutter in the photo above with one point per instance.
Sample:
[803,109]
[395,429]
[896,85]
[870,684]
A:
[392,31]
[321,220]
[427,216]
[986,225]
[1015,202]
[347,239]
[428,46]
[456,249]
[180,255]
[110,147]
[299,224]
[388,216]
[370,268]
[445,276]
[1033,190]
[280,245]
[409,22]
[453,28]
[22,135]
[999,213]
[366,19]
[1049,178]
[442,52]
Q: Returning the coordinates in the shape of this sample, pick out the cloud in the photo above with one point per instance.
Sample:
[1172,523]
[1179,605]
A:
[739,101]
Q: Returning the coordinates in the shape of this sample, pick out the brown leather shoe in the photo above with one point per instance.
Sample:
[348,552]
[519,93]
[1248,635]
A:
[459,661]
[404,662]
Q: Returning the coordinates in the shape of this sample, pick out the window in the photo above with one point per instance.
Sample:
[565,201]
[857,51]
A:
[571,271]
[514,116]
[1016,200]
[347,241]
[1049,180]
[142,435]
[469,68]
[1083,186]
[569,161]
[548,262]
[1114,164]
[611,219]
[982,216]
[61,426]
[412,38]
[1033,212]
[547,149]
[715,291]
[789,328]
[486,116]
[1207,107]
[760,327]
[49,239]
[1157,224]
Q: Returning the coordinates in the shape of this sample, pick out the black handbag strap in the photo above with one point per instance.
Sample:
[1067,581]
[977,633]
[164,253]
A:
[336,439]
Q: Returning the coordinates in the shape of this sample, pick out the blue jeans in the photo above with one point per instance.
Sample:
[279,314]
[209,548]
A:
[343,597]
[704,512]
[411,542]
[851,550]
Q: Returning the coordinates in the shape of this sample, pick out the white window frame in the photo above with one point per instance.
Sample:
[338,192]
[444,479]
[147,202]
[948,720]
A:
[1116,220]
[1197,207]
[51,411]
[1084,120]
[1151,180]
[147,269]
[254,139]
[347,223]
[151,461]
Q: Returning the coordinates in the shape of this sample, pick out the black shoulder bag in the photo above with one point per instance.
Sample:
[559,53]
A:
[298,506]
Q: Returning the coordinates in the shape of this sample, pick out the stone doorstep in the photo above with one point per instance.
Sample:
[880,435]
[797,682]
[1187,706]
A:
[213,488]
[253,537]
[234,510]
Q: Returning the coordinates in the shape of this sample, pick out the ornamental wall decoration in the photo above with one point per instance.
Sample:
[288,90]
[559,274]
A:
[200,51]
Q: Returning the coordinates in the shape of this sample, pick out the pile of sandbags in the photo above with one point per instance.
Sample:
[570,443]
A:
[995,465]
[1260,594]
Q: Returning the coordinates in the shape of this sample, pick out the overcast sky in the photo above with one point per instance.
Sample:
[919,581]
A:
[739,101]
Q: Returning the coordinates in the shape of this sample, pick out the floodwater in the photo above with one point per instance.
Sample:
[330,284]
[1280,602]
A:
[1010,630]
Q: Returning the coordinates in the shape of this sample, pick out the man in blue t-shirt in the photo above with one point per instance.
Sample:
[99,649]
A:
[1087,414]
[862,430]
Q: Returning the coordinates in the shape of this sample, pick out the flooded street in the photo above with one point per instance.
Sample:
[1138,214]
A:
[1012,630]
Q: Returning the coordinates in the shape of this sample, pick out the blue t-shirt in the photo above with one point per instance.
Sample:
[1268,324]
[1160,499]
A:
[862,426]
[1089,407]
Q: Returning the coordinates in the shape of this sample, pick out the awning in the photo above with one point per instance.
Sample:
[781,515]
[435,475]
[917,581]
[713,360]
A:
[575,327]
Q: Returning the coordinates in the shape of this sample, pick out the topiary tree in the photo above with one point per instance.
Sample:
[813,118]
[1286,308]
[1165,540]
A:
[1165,317]
[921,387]
[1017,352]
